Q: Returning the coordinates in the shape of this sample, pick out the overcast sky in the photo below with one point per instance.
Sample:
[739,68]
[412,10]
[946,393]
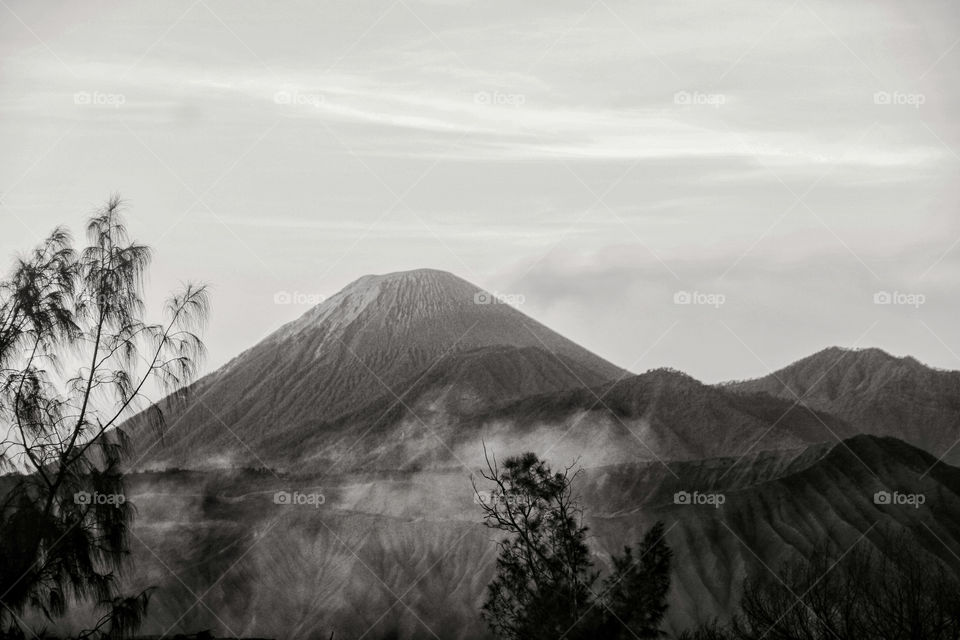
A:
[787,161]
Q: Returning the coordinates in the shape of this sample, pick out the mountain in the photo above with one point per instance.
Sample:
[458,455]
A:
[419,369]
[784,508]
[876,393]
[352,364]
[669,415]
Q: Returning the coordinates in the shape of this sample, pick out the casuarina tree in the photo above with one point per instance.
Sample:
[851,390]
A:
[546,585]
[76,359]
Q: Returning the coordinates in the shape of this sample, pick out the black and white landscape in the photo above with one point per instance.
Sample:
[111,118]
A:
[448,319]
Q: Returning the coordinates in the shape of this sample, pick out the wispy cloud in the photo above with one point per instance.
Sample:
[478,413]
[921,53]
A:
[342,138]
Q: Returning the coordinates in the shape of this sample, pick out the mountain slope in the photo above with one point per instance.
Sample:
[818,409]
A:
[270,570]
[670,415]
[366,346]
[875,392]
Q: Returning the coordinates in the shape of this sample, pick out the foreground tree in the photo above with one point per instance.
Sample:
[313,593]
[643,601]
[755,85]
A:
[634,596]
[544,587]
[892,591]
[76,359]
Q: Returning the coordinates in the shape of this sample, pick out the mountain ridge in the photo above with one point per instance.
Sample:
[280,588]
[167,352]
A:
[418,367]
[879,393]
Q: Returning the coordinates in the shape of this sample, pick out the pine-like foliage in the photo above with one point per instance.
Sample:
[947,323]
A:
[76,359]
[545,582]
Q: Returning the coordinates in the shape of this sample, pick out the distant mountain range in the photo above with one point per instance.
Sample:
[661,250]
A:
[415,368]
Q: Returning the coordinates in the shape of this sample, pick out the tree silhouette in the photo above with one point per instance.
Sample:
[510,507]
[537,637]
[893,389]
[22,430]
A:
[634,596]
[545,576]
[76,359]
